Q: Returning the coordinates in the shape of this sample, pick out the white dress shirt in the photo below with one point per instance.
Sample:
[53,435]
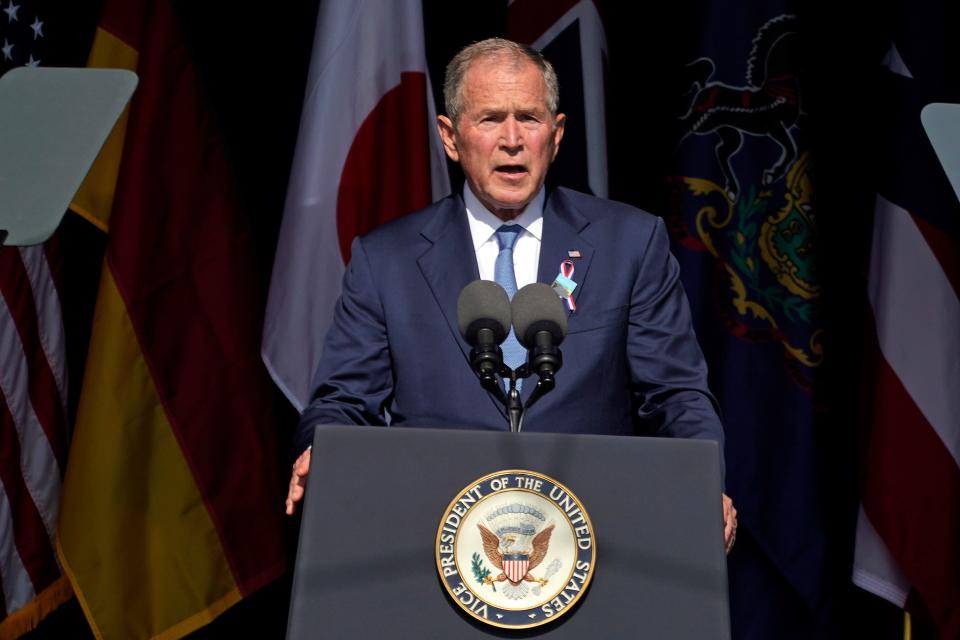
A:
[483,229]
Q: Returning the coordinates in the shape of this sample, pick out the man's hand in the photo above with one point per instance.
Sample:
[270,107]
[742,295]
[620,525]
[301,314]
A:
[298,481]
[729,520]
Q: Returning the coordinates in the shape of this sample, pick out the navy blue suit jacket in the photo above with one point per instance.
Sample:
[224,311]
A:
[631,363]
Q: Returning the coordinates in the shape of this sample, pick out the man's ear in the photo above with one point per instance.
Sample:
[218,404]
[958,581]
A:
[448,137]
[558,129]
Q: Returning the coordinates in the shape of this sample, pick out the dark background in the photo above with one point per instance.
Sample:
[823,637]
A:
[253,62]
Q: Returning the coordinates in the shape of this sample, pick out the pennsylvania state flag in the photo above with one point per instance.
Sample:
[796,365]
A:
[743,223]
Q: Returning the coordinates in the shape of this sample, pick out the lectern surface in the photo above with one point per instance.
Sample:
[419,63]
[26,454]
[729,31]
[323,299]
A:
[366,564]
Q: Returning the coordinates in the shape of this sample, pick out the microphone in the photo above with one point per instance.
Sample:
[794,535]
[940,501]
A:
[483,316]
[540,324]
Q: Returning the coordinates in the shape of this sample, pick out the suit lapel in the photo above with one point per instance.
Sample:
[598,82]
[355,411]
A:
[449,265]
[562,226]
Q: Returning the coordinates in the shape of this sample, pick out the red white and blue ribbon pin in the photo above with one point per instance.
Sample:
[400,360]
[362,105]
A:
[564,285]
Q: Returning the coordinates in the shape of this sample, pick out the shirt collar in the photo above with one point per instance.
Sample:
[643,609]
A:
[483,223]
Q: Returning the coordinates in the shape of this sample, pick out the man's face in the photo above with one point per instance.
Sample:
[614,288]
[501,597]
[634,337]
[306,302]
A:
[505,139]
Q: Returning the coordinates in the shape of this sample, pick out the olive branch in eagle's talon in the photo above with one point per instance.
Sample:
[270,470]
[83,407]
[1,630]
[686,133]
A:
[481,573]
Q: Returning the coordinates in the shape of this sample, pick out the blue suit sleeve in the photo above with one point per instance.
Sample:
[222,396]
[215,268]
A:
[354,380]
[666,364]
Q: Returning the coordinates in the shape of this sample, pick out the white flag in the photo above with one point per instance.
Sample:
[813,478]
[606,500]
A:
[367,152]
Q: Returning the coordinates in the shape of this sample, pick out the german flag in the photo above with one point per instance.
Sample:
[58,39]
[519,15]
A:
[171,504]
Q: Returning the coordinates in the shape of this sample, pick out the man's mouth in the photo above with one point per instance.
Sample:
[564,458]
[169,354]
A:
[512,169]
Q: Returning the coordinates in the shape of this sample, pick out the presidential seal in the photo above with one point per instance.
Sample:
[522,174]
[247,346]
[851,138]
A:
[515,549]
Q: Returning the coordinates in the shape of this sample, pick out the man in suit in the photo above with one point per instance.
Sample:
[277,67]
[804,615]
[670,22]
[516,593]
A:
[632,364]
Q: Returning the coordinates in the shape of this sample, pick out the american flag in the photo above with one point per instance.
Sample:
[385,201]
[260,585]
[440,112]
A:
[22,33]
[909,527]
[33,385]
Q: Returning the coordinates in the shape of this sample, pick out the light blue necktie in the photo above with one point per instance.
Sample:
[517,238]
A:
[514,354]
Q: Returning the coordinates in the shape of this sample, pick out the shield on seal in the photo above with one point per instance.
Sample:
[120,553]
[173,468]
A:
[515,566]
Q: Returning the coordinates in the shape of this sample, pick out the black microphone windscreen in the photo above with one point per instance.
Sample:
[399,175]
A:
[483,304]
[537,307]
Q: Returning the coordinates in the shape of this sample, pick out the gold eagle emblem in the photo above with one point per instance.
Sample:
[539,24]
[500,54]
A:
[495,549]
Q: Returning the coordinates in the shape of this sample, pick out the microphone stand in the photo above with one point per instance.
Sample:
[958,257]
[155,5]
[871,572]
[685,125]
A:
[513,404]
[544,358]
[491,379]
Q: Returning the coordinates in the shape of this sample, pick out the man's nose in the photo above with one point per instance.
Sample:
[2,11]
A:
[511,136]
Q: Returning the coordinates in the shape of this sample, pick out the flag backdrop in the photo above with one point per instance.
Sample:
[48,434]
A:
[33,386]
[743,223]
[908,533]
[171,505]
[151,531]
[367,152]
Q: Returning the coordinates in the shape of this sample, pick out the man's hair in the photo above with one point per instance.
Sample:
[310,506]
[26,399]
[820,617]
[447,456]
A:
[495,48]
